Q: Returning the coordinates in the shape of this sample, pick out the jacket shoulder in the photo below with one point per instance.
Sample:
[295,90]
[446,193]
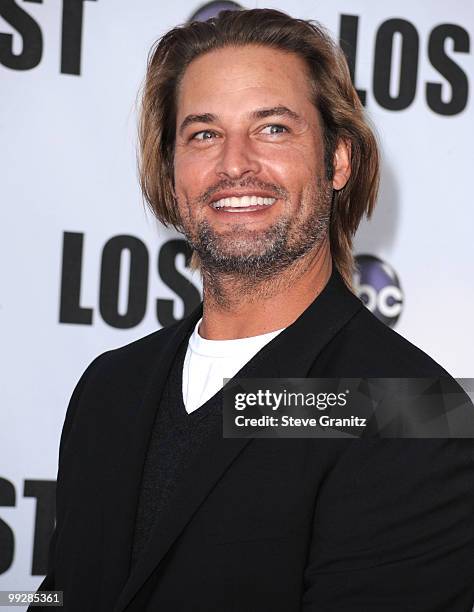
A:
[130,364]
[144,347]
[368,348]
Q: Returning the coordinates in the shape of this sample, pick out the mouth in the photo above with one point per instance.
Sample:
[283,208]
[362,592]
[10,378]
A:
[243,204]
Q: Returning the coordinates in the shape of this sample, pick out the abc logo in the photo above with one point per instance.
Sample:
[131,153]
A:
[212,9]
[377,285]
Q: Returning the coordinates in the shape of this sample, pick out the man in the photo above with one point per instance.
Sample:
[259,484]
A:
[254,144]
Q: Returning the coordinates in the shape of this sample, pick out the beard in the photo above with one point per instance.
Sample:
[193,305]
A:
[261,254]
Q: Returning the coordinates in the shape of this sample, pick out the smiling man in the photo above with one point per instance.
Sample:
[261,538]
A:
[254,144]
[253,192]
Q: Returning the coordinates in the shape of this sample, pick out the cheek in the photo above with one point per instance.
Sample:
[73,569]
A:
[191,174]
[182,171]
[293,167]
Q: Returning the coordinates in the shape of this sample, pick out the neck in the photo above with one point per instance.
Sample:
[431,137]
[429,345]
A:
[237,307]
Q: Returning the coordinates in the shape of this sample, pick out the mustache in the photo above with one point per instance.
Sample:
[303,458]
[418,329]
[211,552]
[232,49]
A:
[277,190]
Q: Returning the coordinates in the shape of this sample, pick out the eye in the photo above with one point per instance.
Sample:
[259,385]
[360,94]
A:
[276,125]
[194,136]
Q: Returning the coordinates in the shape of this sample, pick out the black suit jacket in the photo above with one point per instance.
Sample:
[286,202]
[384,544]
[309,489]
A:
[264,525]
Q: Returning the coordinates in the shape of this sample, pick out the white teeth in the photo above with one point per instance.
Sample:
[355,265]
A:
[242,202]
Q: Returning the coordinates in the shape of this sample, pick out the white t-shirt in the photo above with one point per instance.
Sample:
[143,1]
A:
[208,362]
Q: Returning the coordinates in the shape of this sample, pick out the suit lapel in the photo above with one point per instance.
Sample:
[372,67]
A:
[290,354]
[303,341]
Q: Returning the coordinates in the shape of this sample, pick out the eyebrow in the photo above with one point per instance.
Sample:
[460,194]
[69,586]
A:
[261,113]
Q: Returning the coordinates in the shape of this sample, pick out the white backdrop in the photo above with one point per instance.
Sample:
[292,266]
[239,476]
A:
[68,178]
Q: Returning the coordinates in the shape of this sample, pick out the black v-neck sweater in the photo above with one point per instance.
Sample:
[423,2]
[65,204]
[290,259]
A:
[175,441]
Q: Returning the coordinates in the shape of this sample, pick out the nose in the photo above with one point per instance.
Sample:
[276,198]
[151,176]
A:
[237,159]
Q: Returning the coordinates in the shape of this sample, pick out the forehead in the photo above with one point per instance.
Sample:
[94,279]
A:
[240,77]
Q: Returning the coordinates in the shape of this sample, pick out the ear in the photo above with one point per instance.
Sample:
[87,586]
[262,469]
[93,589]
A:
[342,164]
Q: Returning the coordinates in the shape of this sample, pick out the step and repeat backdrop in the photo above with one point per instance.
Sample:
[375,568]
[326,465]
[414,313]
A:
[84,267]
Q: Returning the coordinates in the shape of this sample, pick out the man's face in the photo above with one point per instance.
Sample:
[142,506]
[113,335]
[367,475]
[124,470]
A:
[246,127]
